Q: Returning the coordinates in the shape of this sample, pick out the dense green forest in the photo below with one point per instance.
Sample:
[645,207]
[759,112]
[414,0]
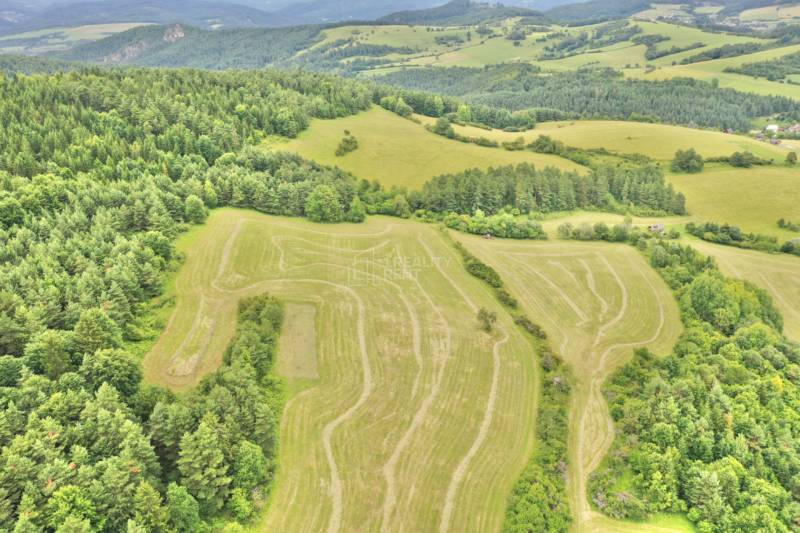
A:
[597,94]
[526,189]
[99,171]
[710,430]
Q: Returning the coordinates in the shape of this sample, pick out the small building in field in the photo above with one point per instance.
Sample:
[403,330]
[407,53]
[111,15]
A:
[772,128]
[656,228]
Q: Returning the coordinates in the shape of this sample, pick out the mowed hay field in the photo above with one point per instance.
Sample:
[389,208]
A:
[402,414]
[597,302]
[658,141]
[752,198]
[771,13]
[778,274]
[398,151]
[709,70]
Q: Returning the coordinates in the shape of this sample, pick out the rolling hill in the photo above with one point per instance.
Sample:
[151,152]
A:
[460,13]
[200,13]
[186,46]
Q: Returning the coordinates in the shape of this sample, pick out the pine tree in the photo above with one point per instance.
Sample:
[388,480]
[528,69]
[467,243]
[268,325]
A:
[149,511]
[95,330]
[184,512]
[202,466]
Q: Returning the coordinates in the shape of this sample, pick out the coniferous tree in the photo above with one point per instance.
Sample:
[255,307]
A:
[202,465]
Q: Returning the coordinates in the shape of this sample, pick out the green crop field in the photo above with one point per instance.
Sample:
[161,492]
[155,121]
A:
[397,151]
[402,413]
[597,302]
[659,141]
[709,70]
[753,198]
[778,274]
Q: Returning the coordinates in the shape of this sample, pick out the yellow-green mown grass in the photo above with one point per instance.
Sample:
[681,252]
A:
[398,151]
[771,13]
[597,302]
[658,141]
[418,421]
[753,198]
[710,70]
[778,274]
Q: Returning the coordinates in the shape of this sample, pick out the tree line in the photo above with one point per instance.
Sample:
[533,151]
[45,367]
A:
[529,190]
[710,429]
[598,94]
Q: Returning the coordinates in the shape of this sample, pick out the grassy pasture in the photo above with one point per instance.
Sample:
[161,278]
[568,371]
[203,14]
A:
[753,198]
[418,420]
[778,274]
[397,151]
[52,39]
[771,13]
[708,70]
[659,141]
[597,302]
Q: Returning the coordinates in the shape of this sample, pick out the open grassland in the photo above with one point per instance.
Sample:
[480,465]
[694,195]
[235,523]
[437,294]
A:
[52,39]
[709,70]
[397,151]
[753,199]
[475,50]
[771,13]
[658,141]
[403,415]
[597,302]
[778,274]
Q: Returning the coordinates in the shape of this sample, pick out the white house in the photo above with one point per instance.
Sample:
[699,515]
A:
[772,128]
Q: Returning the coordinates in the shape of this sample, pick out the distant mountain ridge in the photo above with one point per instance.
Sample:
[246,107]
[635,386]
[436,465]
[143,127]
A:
[179,45]
[201,13]
[458,12]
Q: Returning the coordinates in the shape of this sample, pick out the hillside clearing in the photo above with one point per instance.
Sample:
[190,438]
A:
[710,70]
[418,421]
[778,274]
[771,13]
[752,198]
[597,302]
[658,141]
[397,151]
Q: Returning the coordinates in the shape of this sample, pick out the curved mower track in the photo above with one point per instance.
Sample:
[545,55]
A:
[598,302]
[418,421]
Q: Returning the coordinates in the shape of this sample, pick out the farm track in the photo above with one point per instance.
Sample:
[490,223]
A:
[597,302]
[418,421]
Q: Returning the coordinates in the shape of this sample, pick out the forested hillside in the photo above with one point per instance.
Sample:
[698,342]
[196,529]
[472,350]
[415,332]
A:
[186,46]
[598,94]
[460,13]
[99,170]
[712,429]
